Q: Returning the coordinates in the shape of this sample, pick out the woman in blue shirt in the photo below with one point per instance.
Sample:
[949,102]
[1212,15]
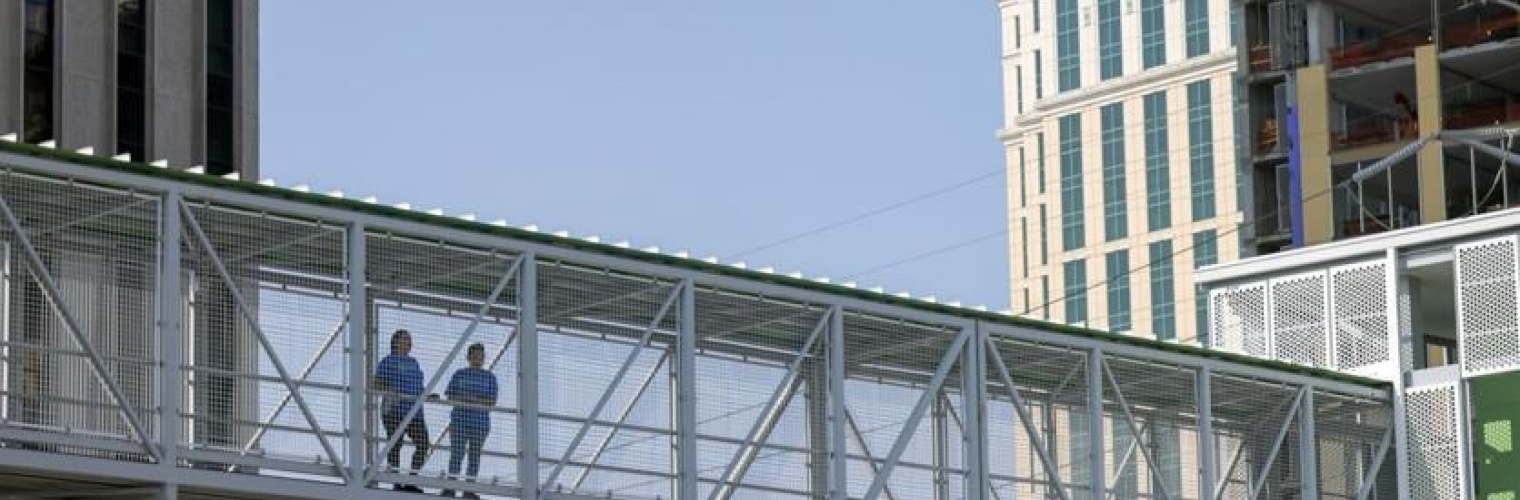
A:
[473,392]
[399,378]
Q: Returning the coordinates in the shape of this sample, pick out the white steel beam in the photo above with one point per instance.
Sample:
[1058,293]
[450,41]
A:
[357,354]
[612,386]
[1397,286]
[55,297]
[1096,444]
[1208,446]
[686,395]
[901,444]
[974,401]
[253,323]
[775,407]
[527,378]
[838,416]
[170,331]
[1308,449]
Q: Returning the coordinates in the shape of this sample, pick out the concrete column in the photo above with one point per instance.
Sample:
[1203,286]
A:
[1313,107]
[1427,84]
[12,45]
[86,33]
[247,126]
[176,80]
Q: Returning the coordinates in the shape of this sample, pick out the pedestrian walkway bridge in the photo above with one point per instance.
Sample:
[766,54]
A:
[172,334]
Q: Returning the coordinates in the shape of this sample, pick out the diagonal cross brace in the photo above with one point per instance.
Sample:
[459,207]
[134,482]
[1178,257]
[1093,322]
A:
[1282,434]
[865,449]
[1129,418]
[274,358]
[464,339]
[617,380]
[775,406]
[596,454]
[55,297]
[901,445]
[1369,480]
[1022,411]
[311,365]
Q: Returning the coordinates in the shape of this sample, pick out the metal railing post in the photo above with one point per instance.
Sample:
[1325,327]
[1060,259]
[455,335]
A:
[686,395]
[838,458]
[170,335]
[527,377]
[358,358]
[1095,441]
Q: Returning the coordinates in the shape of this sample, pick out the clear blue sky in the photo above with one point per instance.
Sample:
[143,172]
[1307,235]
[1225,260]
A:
[712,126]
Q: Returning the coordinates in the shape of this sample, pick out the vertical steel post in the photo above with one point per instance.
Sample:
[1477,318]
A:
[686,395]
[1207,447]
[170,337]
[527,377]
[1308,448]
[1396,289]
[838,464]
[940,423]
[359,431]
[1095,441]
[973,392]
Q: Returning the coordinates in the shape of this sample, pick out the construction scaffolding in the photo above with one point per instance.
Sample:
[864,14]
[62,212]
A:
[210,335]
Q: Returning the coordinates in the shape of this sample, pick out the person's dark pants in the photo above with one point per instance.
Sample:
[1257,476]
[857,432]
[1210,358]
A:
[416,431]
[466,440]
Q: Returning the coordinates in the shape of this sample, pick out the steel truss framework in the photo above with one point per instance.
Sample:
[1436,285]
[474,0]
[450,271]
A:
[200,337]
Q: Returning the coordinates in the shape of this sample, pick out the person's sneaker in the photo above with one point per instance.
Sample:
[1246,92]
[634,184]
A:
[408,488]
[471,495]
[446,493]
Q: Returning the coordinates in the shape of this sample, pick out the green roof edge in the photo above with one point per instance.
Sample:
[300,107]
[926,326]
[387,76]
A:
[252,187]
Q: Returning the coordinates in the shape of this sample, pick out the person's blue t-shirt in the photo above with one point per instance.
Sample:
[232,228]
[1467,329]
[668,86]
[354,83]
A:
[404,380]
[470,385]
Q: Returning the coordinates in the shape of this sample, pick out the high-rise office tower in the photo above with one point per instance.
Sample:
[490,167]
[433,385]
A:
[157,79]
[1121,159]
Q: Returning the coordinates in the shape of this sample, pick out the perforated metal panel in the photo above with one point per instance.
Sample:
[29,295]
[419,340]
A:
[1238,319]
[1487,306]
[1299,310]
[1436,471]
[1359,312]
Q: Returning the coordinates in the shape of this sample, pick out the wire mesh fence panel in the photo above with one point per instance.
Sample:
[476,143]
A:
[1299,309]
[92,286]
[1052,383]
[605,384]
[266,296]
[890,364]
[1488,301]
[758,374]
[443,337]
[1239,320]
[1350,433]
[1160,461]
[1255,428]
[1359,302]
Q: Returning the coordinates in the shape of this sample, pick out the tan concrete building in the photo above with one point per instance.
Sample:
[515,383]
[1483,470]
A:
[156,79]
[1121,158]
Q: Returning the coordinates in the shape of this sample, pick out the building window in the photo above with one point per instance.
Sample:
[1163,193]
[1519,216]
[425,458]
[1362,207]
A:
[1110,58]
[1044,237]
[1018,33]
[1024,241]
[1118,290]
[1152,33]
[1197,27]
[131,78]
[1115,213]
[1158,183]
[1068,48]
[1076,291]
[1205,253]
[1072,227]
[1201,149]
[1023,188]
[1036,5]
[1039,140]
[1039,76]
[1018,88]
[221,43]
[1163,294]
[1166,447]
[1045,297]
[37,102]
[1027,305]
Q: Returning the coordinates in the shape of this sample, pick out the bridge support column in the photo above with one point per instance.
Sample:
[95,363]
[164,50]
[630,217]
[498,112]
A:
[358,359]
[170,354]
[527,377]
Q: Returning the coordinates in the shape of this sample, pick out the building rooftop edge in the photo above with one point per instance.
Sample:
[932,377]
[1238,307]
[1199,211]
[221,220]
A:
[617,251]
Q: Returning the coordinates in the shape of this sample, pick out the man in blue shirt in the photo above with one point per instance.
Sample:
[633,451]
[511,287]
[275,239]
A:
[473,392]
[400,379]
